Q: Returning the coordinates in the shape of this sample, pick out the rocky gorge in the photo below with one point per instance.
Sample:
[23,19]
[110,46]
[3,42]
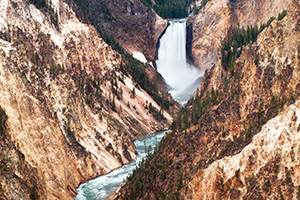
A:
[237,138]
[73,100]
[69,111]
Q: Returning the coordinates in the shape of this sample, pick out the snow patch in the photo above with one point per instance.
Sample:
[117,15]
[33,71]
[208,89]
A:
[139,56]
[36,14]
[55,4]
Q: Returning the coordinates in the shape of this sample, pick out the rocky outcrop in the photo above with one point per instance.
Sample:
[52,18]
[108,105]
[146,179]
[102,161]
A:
[267,168]
[71,112]
[211,25]
[19,179]
[136,27]
[237,138]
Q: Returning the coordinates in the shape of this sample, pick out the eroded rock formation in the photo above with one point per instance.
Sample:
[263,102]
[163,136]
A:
[72,114]
[211,25]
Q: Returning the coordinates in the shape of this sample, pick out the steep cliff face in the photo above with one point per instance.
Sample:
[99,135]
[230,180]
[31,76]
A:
[267,167]
[136,27]
[237,138]
[19,180]
[210,26]
[71,113]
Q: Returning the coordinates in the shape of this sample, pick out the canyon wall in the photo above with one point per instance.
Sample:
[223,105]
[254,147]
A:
[237,138]
[136,27]
[210,26]
[72,114]
[267,85]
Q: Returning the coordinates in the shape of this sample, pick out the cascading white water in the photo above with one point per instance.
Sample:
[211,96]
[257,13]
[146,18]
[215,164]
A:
[104,186]
[182,78]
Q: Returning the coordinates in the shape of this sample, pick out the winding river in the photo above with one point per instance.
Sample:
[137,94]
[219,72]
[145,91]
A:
[104,186]
[182,79]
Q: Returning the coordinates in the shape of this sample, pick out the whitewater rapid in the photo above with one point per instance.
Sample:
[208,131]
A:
[182,78]
[104,186]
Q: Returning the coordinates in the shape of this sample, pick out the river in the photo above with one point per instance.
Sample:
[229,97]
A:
[182,78]
[104,186]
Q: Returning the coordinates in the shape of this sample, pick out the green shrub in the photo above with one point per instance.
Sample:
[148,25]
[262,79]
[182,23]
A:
[3,119]
[238,38]
[33,193]
[282,15]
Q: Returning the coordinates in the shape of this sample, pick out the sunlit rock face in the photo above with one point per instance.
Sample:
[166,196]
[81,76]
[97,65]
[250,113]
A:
[266,168]
[210,26]
[56,89]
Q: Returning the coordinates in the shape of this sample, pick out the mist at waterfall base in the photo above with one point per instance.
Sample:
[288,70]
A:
[104,186]
[182,78]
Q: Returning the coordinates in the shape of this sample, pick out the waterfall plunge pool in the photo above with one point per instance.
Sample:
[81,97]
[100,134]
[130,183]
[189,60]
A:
[104,186]
[183,80]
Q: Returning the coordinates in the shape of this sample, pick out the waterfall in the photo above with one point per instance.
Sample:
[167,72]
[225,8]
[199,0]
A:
[182,78]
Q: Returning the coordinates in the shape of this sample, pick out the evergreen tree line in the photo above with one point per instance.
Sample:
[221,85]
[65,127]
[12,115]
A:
[138,72]
[139,187]
[3,119]
[169,8]
[231,50]
[187,117]
[238,38]
[233,46]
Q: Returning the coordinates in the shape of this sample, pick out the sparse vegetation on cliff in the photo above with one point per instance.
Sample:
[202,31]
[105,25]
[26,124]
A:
[282,15]
[12,162]
[137,70]
[155,113]
[221,121]
[196,9]
[33,193]
[3,119]
[5,35]
[238,38]
[130,66]
[46,7]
